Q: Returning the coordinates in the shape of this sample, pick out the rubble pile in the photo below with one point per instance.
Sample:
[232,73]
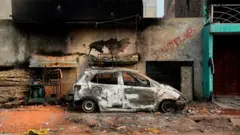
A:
[203,108]
[13,84]
[152,123]
[193,111]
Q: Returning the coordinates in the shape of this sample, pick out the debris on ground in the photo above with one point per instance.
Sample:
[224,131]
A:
[56,121]
[227,102]
[235,121]
[209,108]
[156,131]
[128,123]
[34,117]
[36,132]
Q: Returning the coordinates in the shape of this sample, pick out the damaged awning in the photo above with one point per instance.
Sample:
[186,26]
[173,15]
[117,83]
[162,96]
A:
[41,61]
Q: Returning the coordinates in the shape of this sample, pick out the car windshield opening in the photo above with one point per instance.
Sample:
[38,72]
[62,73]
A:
[105,78]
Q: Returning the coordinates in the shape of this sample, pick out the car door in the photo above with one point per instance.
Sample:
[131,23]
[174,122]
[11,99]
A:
[104,86]
[137,95]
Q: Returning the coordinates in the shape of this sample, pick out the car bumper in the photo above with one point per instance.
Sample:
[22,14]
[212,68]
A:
[181,103]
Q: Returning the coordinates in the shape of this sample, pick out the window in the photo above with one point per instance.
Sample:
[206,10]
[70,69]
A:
[131,79]
[105,78]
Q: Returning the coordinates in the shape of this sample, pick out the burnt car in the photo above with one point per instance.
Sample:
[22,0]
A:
[124,90]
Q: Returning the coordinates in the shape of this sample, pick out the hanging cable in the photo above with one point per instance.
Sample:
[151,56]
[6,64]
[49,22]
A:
[85,22]
[104,22]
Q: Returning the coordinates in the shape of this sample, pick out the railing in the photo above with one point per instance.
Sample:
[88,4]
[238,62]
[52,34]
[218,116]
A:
[229,13]
[107,57]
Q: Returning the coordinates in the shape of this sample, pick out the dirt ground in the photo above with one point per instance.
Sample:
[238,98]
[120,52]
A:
[202,119]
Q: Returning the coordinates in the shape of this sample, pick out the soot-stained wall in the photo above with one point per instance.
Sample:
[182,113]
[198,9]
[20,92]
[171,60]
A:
[74,10]
[170,40]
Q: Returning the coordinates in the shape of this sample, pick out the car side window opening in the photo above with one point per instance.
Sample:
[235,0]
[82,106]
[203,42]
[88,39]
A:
[105,78]
[130,79]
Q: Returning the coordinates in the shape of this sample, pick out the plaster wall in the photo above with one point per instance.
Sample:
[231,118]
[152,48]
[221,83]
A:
[157,41]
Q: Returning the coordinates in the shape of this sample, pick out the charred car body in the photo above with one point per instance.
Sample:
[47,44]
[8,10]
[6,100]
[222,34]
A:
[115,89]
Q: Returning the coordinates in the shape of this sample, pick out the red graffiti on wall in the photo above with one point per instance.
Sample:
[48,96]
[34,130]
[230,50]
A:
[178,41]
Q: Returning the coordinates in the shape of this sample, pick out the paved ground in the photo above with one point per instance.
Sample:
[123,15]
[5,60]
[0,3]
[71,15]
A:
[230,102]
[202,119]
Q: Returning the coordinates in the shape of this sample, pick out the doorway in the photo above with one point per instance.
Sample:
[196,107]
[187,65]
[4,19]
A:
[227,65]
[178,74]
[165,72]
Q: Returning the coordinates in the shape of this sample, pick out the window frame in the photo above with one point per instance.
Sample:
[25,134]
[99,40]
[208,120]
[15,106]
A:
[128,73]
[134,75]
[115,72]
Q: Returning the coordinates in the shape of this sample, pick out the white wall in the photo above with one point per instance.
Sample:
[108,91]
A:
[5,9]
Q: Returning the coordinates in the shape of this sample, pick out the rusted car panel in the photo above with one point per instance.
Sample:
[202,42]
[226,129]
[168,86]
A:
[120,94]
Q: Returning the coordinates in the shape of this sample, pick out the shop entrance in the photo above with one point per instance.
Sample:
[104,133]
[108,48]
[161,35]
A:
[165,72]
[178,74]
[227,65]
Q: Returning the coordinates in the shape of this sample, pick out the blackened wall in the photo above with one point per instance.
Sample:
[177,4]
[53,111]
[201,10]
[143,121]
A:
[188,8]
[74,10]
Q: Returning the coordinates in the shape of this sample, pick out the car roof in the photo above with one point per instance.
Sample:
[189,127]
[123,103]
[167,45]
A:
[112,69]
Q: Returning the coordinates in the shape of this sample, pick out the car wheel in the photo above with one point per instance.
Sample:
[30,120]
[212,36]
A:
[167,106]
[89,106]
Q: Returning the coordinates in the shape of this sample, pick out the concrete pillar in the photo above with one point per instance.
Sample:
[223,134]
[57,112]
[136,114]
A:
[187,82]
[207,54]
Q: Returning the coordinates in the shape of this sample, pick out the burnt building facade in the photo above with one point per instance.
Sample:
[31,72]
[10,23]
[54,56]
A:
[146,35]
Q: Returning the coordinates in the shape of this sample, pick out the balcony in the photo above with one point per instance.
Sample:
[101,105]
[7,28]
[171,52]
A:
[225,13]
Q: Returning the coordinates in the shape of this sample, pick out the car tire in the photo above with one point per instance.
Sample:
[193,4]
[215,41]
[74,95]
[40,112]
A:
[167,106]
[89,106]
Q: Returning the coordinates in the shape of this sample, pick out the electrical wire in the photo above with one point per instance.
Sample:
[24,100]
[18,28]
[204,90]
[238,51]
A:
[104,22]
[87,22]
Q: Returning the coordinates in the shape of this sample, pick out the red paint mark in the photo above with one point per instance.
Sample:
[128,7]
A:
[170,45]
[162,50]
[191,32]
[178,41]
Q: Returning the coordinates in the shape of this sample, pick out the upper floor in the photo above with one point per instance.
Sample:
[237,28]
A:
[45,11]
[222,11]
